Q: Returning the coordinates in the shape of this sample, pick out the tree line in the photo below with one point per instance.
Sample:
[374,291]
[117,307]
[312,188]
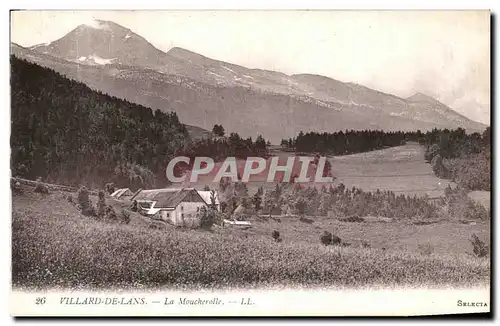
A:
[220,148]
[350,204]
[348,141]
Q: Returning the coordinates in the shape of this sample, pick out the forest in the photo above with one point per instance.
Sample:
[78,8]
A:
[461,157]
[65,132]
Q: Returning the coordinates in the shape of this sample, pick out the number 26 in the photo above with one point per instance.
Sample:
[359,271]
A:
[40,300]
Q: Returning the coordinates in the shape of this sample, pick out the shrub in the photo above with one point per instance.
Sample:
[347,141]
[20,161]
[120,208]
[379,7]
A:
[40,187]
[326,238]
[336,240]
[329,239]
[84,202]
[110,213]
[15,186]
[431,152]
[126,216]
[479,248]
[463,207]
[207,217]
[276,235]
[134,207]
[101,205]
[110,188]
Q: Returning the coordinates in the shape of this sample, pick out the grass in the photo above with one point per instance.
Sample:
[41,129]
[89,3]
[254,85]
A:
[401,169]
[54,246]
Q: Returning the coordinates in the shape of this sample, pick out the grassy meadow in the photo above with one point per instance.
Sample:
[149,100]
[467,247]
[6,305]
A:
[401,169]
[53,246]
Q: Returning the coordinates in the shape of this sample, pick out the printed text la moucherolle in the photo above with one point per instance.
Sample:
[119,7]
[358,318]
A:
[167,301]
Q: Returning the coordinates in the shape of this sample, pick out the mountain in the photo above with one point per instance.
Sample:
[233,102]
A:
[104,42]
[204,91]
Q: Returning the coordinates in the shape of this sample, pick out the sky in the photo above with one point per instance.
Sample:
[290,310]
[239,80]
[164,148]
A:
[444,54]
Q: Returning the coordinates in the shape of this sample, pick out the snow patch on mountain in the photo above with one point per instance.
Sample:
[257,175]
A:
[213,73]
[228,69]
[101,61]
[39,45]
[249,77]
[97,24]
[95,59]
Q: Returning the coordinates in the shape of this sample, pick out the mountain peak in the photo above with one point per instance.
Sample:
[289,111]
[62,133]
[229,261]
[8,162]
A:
[97,25]
[182,53]
[103,42]
[421,97]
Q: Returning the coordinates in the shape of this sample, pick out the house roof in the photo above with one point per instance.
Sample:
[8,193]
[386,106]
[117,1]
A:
[120,192]
[207,197]
[165,198]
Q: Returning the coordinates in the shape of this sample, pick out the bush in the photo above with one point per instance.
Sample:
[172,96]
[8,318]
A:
[101,205]
[84,202]
[110,213]
[463,207]
[110,188]
[431,152]
[126,216]
[479,248]
[329,239]
[207,217]
[15,186]
[476,178]
[276,235]
[40,187]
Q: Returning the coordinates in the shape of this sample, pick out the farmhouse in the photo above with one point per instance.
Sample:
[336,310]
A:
[122,193]
[207,197]
[176,206]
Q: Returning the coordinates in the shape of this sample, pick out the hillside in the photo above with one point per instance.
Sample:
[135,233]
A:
[52,245]
[65,132]
[204,92]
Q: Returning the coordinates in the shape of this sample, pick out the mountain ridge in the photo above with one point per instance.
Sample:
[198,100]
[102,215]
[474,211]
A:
[166,81]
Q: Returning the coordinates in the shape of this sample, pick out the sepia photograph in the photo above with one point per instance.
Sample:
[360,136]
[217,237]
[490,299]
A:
[211,162]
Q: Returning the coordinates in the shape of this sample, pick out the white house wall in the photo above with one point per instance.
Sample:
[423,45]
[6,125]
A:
[190,211]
